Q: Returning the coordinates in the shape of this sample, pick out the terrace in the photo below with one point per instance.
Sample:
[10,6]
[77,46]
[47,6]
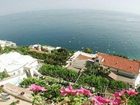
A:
[78,61]
[12,93]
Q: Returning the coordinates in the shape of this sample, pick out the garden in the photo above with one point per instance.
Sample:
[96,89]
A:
[61,87]
[48,91]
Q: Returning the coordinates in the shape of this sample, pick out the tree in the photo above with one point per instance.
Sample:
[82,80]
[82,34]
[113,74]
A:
[88,50]
[91,68]
[58,57]
[95,69]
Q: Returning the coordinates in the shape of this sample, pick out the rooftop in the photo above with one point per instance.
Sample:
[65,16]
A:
[83,57]
[4,43]
[13,61]
[78,60]
[120,63]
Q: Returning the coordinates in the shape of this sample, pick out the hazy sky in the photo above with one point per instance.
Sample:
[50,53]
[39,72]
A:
[14,6]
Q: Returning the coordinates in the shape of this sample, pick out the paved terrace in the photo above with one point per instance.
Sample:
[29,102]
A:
[78,61]
[15,94]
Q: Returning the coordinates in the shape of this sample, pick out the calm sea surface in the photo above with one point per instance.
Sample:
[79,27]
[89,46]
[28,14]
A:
[109,32]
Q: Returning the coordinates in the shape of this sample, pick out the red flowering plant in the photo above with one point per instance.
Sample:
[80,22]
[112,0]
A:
[82,95]
[118,98]
[124,95]
[36,88]
[37,99]
[98,100]
[75,96]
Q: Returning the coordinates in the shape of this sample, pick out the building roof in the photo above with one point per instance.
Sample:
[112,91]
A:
[119,63]
[14,60]
[78,60]
[83,57]
[4,43]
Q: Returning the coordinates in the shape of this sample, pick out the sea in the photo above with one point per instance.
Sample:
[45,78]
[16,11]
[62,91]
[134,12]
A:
[102,31]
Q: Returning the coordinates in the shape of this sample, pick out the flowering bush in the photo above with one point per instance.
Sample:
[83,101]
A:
[117,98]
[37,99]
[36,88]
[74,96]
[70,91]
[98,100]
[82,96]
[131,92]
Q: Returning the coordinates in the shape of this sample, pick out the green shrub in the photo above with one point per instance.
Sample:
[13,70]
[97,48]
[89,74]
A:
[56,57]
[59,72]
[27,82]
[117,85]
[3,75]
[99,82]
[135,100]
[88,50]
[53,92]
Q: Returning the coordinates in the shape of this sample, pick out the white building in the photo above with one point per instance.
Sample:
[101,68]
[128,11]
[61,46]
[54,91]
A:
[122,69]
[44,48]
[17,66]
[78,61]
[4,43]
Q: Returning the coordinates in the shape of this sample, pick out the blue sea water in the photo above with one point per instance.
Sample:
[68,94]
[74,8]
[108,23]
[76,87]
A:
[109,32]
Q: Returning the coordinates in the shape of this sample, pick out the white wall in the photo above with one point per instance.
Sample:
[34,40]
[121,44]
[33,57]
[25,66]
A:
[137,81]
[13,80]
